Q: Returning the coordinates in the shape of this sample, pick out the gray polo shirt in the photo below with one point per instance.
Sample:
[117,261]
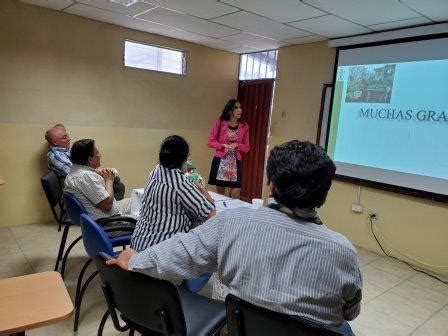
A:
[89,188]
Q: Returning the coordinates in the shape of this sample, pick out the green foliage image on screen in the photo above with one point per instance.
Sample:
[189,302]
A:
[370,83]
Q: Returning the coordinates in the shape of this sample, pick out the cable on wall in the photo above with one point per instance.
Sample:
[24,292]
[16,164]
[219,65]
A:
[372,217]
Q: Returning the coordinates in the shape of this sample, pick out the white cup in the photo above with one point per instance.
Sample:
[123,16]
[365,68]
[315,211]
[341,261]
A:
[257,203]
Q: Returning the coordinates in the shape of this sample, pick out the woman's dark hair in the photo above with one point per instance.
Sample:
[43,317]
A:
[82,150]
[301,174]
[173,152]
[227,111]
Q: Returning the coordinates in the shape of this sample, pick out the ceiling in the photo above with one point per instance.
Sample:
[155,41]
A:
[252,25]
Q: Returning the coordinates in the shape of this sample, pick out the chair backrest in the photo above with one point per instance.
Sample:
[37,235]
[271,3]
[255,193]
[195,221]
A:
[152,304]
[74,208]
[94,237]
[53,191]
[244,318]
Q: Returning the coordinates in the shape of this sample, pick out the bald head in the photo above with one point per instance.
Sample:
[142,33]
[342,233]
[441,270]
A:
[57,137]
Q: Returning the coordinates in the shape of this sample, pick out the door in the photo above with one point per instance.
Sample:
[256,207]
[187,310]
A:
[255,97]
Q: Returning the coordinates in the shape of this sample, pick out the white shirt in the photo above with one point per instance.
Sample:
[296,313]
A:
[89,188]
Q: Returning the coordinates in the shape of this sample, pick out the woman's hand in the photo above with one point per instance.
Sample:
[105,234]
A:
[228,147]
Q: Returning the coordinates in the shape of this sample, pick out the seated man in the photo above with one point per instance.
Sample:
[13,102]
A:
[92,188]
[58,154]
[59,160]
[171,203]
[279,257]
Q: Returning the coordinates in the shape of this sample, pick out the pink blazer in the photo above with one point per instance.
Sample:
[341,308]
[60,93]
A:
[218,141]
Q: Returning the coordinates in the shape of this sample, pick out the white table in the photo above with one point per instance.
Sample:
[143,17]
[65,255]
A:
[225,203]
[221,202]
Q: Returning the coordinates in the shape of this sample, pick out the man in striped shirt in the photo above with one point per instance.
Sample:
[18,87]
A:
[279,257]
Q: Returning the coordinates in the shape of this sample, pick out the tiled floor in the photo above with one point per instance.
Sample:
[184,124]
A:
[396,299]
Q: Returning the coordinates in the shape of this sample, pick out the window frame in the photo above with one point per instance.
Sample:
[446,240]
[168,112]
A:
[240,65]
[184,58]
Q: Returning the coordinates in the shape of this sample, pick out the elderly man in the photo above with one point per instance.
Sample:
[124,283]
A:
[280,257]
[58,154]
[59,159]
[93,188]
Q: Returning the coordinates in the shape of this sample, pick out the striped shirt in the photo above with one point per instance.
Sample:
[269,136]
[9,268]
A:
[171,204]
[268,259]
[59,160]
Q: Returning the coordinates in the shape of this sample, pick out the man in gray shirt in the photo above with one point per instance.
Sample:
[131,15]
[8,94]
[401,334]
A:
[280,257]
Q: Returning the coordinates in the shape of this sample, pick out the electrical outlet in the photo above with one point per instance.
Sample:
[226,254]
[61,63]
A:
[356,207]
[373,215]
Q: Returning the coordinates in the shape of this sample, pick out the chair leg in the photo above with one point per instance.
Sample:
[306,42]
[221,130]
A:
[59,228]
[64,260]
[81,294]
[103,322]
[79,282]
[131,332]
[62,245]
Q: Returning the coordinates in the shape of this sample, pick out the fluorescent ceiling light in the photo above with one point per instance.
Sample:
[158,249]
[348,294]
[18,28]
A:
[124,2]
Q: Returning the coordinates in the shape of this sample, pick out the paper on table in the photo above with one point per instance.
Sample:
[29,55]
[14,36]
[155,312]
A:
[232,204]
[135,203]
[218,197]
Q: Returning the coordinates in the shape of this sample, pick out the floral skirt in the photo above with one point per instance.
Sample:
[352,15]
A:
[227,184]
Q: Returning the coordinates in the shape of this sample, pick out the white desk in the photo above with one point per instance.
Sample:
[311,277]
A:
[31,301]
[226,203]
[221,202]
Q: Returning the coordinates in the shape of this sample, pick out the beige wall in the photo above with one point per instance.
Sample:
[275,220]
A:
[61,68]
[413,229]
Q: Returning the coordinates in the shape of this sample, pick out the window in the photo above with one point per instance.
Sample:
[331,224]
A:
[150,57]
[258,65]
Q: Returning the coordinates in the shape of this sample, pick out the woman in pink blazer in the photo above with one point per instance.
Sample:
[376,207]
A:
[230,139]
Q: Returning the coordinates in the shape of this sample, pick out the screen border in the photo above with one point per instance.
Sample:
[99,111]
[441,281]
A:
[369,183]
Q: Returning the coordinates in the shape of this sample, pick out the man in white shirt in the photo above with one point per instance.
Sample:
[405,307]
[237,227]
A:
[92,187]
[59,160]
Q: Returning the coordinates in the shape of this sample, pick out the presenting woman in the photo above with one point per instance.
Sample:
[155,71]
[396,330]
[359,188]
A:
[230,139]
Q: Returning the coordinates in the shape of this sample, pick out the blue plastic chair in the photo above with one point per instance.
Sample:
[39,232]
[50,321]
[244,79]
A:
[75,209]
[96,240]
[119,234]
[196,284]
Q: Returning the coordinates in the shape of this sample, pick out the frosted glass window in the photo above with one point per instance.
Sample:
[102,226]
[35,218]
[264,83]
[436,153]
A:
[258,65]
[150,57]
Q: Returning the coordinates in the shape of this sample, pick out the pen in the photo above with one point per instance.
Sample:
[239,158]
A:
[225,204]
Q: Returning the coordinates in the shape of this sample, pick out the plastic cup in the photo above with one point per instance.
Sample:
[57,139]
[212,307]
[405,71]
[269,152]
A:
[257,203]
